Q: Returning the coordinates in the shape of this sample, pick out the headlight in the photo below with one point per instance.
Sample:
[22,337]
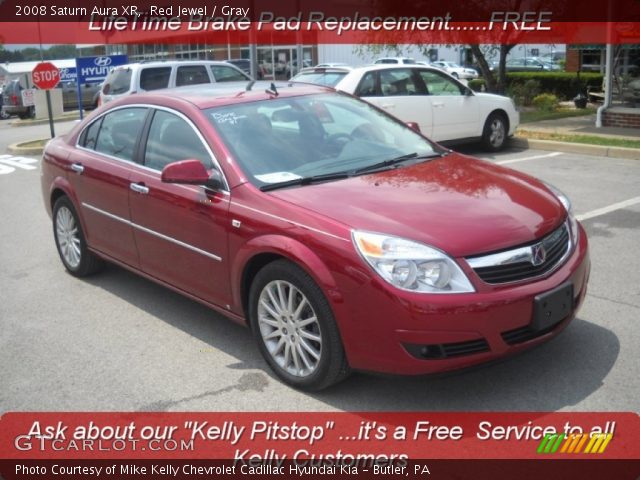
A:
[573,223]
[410,265]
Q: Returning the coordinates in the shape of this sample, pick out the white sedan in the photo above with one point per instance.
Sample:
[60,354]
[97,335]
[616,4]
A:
[444,109]
[456,70]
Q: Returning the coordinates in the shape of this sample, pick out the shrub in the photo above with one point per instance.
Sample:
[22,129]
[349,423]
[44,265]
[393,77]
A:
[546,102]
[564,85]
[477,85]
[523,93]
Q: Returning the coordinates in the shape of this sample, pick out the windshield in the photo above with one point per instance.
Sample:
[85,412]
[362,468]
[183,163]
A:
[284,139]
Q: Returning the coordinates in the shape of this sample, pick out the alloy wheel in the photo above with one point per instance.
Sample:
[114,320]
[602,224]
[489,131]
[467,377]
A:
[289,328]
[68,237]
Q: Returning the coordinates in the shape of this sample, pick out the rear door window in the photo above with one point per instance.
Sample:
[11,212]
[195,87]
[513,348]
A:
[192,75]
[154,78]
[118,135]
[397,83]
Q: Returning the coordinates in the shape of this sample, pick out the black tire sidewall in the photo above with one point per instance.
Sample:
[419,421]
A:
[332,354]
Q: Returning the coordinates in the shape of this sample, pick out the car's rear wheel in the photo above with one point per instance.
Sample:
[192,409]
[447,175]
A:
[494,135]
[455,75]
[295,329]
[70,240]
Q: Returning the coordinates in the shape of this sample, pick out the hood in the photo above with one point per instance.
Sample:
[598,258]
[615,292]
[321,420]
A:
[458,204]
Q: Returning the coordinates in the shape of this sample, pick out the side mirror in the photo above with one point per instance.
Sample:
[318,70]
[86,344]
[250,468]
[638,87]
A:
[192,172]
[413,126]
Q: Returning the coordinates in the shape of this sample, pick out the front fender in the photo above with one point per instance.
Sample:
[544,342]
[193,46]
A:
[288,248]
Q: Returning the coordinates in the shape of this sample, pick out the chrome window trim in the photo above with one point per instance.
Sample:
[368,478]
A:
[521,254]
[153,232]
[226,189]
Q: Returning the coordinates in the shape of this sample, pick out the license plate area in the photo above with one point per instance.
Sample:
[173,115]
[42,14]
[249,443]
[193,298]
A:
[551,307]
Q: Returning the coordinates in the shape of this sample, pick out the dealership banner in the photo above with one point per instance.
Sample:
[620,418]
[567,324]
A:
[290,21]
[331,445]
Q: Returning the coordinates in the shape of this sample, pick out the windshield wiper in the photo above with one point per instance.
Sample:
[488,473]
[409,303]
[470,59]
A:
[392,161]
[305,181]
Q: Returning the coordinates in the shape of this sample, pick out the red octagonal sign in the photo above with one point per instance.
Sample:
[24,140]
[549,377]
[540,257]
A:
[45,76]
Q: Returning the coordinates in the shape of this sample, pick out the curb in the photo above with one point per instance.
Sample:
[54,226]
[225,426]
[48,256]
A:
[43,121]
[17,149]
[581,148]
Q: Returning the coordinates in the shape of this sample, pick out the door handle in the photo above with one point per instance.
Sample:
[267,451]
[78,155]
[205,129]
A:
[438,105]
[139,188]
[388,105]
[78,168]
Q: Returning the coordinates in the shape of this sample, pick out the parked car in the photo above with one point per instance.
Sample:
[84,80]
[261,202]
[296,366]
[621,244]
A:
[456,70]
[395,61]
[90,93]
[3,115]
[530,64]
[12,103]
[554,57]
[346,240]
[147,76]
[326,76]
[332,64]
[445,109]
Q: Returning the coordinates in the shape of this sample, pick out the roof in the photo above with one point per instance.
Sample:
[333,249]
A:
[220,94]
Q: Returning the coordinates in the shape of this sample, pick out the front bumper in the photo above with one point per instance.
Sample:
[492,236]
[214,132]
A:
[397,332]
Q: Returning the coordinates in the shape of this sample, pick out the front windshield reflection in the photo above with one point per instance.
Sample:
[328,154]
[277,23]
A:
[284,139]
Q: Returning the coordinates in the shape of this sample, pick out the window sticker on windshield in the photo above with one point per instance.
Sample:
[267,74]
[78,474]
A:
[231,118]
[277,177]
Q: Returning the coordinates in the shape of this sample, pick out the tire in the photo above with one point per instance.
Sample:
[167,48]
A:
[70,241]
[294,327]
[494,134]
[29,113]
[455,75]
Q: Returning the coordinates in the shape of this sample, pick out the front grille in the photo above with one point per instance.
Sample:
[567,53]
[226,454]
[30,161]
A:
[520,265]
[447,350]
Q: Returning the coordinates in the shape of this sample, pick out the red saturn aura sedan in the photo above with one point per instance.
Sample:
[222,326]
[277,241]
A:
[342,237]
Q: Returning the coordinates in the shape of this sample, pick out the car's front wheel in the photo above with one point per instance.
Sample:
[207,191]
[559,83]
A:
[295,329]
[494,135]
[70,240]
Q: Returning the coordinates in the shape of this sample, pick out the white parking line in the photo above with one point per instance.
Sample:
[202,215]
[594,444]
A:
[608,209]
[535,157]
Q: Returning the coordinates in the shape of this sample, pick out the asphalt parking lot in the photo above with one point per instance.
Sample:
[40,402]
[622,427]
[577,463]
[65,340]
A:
[118,342]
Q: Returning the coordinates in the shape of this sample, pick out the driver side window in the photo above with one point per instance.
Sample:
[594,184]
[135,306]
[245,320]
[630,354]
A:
[172,139]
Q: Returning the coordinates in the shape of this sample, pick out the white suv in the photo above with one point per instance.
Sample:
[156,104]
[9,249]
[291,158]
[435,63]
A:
[145,76]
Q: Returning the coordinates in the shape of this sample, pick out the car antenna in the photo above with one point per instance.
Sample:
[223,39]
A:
[250,86]
[272,90]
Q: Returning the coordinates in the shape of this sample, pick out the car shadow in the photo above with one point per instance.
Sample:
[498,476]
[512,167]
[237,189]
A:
[556,375]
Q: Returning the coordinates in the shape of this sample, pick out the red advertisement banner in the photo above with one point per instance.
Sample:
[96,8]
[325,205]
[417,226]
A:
[108,30]
[366,445]
[275,437]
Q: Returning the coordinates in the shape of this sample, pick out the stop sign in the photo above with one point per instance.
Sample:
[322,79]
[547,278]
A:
[46,75]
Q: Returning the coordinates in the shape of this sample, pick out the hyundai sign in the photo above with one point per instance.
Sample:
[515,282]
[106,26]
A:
[95,69]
